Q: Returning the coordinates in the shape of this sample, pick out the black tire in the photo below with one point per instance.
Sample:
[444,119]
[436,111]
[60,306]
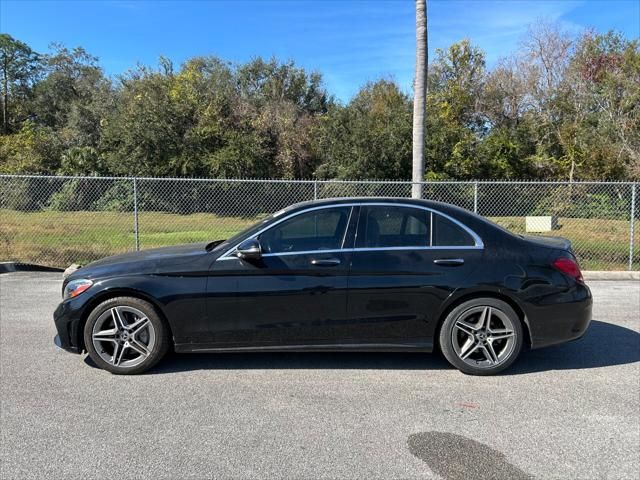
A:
[160,343]
[474,365]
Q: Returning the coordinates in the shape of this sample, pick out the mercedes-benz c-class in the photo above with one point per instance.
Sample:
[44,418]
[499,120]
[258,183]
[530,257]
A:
[372,274]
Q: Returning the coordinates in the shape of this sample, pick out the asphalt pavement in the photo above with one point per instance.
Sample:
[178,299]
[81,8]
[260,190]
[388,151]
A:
[571,411]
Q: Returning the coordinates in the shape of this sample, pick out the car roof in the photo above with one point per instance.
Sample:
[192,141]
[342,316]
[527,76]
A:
[476,222]
[342,200]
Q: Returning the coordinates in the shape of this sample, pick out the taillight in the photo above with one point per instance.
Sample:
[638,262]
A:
[569,267]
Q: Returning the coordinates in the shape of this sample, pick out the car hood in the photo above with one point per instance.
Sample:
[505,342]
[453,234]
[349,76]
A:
[156,260]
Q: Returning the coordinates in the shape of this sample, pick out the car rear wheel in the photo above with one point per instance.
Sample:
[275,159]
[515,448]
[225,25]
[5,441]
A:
[482,336]
[125,335]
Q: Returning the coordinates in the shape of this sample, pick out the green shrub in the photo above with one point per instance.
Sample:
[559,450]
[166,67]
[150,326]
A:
[586,205]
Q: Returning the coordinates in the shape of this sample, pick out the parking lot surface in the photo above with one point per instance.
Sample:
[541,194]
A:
[571,411]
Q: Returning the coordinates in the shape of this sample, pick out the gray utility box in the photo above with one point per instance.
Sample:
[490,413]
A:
[542,224]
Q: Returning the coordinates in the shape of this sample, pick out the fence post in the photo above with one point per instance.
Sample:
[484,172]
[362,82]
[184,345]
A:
[315,189]
[632,222]
[135,213]
[475,197]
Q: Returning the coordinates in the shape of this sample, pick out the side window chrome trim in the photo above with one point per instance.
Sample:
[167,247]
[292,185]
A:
[479,244]
[307,252]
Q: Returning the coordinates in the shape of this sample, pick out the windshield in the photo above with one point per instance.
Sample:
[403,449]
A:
[247,232]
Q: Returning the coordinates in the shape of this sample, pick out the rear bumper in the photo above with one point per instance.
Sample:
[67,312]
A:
[561,317]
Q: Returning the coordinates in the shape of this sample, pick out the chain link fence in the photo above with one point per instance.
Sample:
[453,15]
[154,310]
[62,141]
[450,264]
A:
[57,221]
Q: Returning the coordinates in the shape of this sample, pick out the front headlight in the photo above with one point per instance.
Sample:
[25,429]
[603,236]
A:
[75,288]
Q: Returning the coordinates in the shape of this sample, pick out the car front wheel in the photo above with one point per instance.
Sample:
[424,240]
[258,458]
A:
[125,335]
[482,336]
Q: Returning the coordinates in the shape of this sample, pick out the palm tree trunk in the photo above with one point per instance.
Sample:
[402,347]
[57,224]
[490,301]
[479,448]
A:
[5,98]
[419,98]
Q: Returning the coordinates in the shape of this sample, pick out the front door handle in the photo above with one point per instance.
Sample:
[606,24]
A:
[325,262]
[450,262]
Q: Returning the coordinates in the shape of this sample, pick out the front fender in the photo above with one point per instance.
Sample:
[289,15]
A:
[178,298]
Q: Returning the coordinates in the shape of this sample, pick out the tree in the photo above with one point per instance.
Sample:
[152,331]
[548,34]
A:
[368,138]
[601,105]
[74,86]
[214,118]
[419,97]
[146,132]
[283,103]
[546,52]
[457,124]
[508,148]
[18,69]
[560,107]
[32,149]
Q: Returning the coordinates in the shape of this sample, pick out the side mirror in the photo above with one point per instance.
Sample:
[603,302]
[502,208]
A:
[249,249]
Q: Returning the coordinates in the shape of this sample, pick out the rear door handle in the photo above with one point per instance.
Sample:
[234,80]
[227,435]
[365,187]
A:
[325,262]
[451,262]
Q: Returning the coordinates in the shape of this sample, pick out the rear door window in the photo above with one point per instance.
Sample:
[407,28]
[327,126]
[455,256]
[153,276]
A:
[448,234]
[388,226]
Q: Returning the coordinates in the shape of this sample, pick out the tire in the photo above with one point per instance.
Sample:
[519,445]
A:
[125,336]
[473,349]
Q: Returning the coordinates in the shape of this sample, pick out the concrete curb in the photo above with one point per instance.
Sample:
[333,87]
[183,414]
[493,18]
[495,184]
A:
[7,267]
[605,275]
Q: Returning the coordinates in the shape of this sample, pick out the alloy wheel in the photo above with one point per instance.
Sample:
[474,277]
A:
[483,337]
[123,336]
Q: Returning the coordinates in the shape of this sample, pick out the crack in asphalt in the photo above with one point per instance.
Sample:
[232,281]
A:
[455,457]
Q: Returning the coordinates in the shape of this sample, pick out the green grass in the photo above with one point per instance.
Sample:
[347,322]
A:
[62,238]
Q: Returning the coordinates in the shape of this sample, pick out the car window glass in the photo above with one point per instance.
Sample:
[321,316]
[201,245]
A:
[388,226]
[448,234]
[316,230]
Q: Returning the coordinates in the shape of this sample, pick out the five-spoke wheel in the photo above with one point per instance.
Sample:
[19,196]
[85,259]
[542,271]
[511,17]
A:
[481,336]
[125,335]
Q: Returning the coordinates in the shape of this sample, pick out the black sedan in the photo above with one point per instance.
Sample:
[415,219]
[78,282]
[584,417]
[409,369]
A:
[372,274]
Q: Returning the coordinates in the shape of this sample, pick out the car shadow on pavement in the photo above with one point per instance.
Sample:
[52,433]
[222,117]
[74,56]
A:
[300,361]
[603,345]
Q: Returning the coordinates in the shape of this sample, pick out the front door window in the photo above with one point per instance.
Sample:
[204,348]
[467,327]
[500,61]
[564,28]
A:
[316,230]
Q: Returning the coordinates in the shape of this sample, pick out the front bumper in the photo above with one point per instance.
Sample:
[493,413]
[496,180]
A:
[561,317]
[57,341]
[67,320]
